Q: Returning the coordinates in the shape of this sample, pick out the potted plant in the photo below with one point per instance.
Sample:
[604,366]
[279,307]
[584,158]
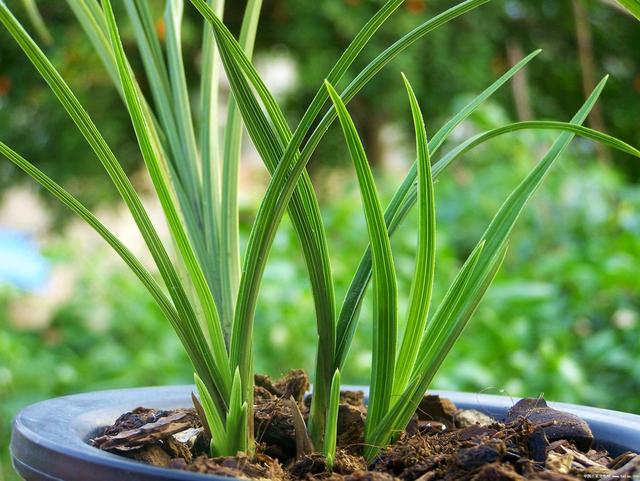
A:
[209,294]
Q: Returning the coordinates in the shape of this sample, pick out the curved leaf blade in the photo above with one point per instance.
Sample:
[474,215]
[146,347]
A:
[218,444]
[385,298]
[231,154]
[585,132]
[79,209]
[199,351]
[331,427]
[401,204]
[148,147]
[422,283]
[631,6]
[468,288]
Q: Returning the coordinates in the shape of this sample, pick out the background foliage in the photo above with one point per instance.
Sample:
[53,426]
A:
[562,317]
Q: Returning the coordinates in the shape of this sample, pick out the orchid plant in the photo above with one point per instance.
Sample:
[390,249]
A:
[207,290]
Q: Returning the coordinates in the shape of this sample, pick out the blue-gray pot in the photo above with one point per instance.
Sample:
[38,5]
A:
[49,439]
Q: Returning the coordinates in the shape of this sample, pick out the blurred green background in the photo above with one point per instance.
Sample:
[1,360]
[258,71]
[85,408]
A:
[563,316]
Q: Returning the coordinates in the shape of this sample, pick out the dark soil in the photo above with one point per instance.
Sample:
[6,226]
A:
[442,442]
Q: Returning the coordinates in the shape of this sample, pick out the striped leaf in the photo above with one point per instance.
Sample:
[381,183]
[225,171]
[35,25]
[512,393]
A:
[219,439]
[331,426]
[385,295]
[152,157]
[231,153]
[401,204]
[468,289]
[632,6]
[422,284]
[198,348]
[291,167]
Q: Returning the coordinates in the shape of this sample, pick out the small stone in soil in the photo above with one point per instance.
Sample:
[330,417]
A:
[470,417]
[428,428]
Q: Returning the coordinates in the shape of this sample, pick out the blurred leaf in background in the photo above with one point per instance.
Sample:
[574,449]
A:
[466,58]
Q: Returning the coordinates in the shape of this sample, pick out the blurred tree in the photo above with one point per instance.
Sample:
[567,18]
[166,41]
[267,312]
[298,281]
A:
[32,118]
[466,55]
[451,62]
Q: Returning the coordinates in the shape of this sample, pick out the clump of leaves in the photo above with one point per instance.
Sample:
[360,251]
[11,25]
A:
[208,293]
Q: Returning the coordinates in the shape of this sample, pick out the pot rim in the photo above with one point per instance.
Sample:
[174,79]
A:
[48,439]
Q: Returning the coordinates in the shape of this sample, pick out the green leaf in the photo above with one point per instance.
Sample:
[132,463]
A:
[36,19]
[422,284]
[467,290]
[210,155]
[585,132]
[401,413]
[91,17]
[218,445]
[283,182]
[331,426]
[188,162]
[77,207]
[632,6]
[232,154]
[285,178]
[449,305]
[400,206]
[196,345]
[304,210]
[148,146]
[385,295]
[157,73]
[308,222]
[442,340]
[237,419]
[446,327]
[497,234]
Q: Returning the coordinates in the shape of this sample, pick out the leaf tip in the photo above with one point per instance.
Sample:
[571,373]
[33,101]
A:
[604,81]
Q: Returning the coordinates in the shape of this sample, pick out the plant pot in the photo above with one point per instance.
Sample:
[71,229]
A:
[49,439]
